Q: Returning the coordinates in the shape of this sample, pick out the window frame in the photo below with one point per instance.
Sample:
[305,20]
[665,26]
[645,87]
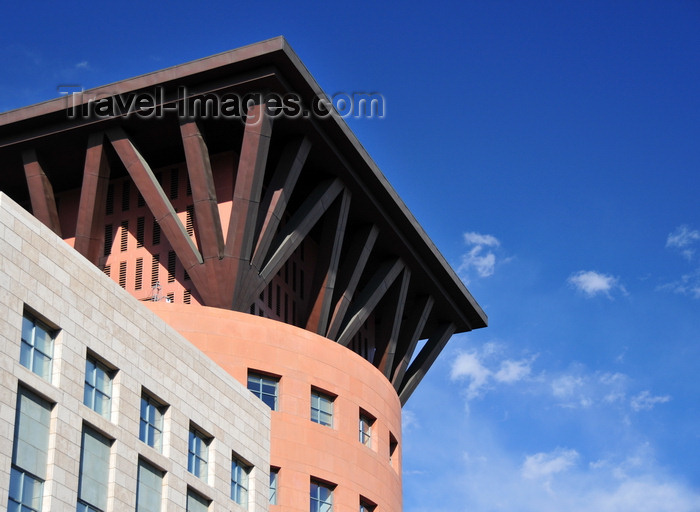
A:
[144,464]
[198,461]
[29,352]
[148,427]
[264,379]
[92,389]
[318,415]
[240,470]
[366,424]
[194,495]
[274,485]
[316,502]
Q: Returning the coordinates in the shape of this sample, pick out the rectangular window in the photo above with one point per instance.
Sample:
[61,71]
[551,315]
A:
[98,387]
[171,266]
[274,476]
[124,236]
[366,505]
[239,482]
[37,346]
[321,408]
[366,422]
[149,488]
[321,497]
[265,388]
[30,451]
[151,425]
[94,471]
[195,502]
[198,454]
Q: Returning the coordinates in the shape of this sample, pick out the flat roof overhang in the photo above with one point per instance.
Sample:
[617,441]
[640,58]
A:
[266,66]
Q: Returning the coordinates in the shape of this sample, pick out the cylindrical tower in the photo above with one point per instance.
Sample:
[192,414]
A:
[353,449]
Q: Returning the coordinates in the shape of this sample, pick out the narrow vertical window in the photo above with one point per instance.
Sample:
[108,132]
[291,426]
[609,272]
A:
[366,422]
[393,450]
[265,388]
[97,394]
[239,481]
[274,477]
[94,471]
[321,497]
[149,488]
[321,408]
[187,296]
[29,452]
[198,454]
[107,270]
[36,351]
[151,424]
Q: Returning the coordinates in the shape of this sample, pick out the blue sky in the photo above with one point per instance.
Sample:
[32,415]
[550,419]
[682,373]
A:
[551,151]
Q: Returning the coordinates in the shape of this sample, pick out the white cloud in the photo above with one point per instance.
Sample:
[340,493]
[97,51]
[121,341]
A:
[593,283]
[480,256]
[82,65]
[688,284]
[467,365]
[541,466]
[682,237]
[472,366]
[645,401]
[513,371]
[473,238]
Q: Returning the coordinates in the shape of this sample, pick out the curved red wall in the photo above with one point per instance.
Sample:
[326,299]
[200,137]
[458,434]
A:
[300,448]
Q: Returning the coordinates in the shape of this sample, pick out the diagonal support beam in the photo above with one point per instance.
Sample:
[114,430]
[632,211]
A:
[424,360]
[246,198]
[277,196]
[293,233]
[163,211]
[209,232]
[349,275]
[40,192]
[369,297]
[327,265]
[384,357]
[410,334]
[89,228]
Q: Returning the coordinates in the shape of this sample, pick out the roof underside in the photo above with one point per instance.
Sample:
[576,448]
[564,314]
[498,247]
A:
[317,165]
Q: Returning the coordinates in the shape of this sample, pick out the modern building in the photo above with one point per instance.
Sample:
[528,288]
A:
[199,230]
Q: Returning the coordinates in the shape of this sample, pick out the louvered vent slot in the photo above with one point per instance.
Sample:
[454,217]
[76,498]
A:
[171,266]
[154,270]
[124,235]
[140,226]
[138,278]
[109,233]
[122,274]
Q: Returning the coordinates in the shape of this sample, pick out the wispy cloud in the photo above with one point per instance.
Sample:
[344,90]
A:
[82,65]
[542,466]
[682,239]
[592,283]
[645,401]
[481,257]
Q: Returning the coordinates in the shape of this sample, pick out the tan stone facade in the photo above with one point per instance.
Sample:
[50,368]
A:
[40,275]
